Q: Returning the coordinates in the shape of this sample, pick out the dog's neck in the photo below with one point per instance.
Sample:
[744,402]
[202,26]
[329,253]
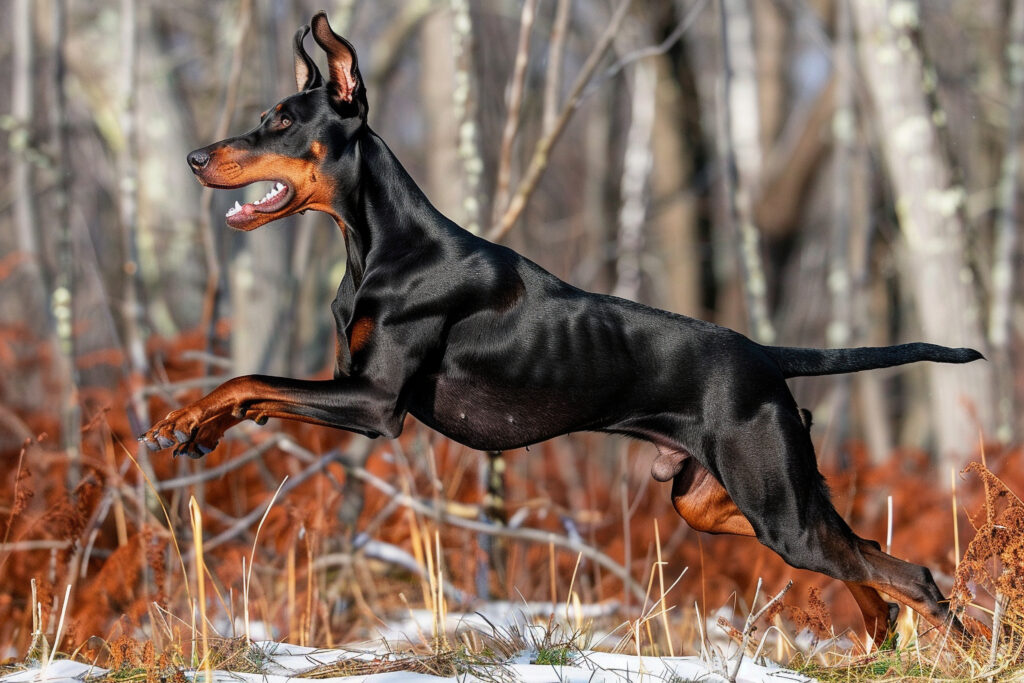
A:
[385,214]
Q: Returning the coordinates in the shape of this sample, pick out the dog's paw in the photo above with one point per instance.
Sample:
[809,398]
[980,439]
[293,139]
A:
[185,430]
[193,449]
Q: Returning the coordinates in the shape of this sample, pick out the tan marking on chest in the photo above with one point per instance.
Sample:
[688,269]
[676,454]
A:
[362,329]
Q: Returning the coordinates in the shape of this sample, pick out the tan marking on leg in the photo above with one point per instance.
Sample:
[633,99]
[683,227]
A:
[704,503]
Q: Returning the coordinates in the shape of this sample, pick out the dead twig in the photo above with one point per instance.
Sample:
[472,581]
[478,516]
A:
[184,385]
[556,55]
[219,470]
[515,99]
[750,627]
[249,519]
[643,53]
[208,319]
[539,161]
[442,515]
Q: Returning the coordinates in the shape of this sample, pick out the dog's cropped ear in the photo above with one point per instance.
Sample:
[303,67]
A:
[307,76]
[345,83]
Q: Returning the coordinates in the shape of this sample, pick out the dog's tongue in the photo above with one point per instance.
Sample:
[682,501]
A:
[240,213]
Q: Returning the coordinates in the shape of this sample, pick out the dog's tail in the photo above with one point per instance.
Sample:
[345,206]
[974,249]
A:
[795,362]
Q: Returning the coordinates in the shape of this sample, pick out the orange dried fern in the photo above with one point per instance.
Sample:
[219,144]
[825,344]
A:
[994,562]
[994,559]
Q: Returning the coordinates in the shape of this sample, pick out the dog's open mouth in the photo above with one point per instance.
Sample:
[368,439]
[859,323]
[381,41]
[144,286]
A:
[276,198]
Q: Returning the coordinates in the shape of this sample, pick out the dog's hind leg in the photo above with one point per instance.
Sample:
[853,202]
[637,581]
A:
[769,471]
[706,506]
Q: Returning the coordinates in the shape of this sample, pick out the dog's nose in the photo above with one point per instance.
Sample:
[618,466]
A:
[198,160]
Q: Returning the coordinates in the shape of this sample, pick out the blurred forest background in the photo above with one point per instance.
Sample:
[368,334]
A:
[809,172]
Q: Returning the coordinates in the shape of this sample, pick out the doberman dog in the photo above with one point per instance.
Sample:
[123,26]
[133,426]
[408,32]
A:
[491,350]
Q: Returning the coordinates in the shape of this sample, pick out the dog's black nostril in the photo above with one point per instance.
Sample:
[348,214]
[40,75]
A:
[198,159]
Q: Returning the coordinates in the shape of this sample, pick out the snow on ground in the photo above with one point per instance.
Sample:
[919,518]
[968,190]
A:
[284,661]
[510,621]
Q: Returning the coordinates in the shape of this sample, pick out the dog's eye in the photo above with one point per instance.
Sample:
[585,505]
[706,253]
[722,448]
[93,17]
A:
[284,122]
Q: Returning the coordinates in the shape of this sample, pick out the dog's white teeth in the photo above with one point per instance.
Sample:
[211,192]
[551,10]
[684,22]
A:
[271,193]
[234,209]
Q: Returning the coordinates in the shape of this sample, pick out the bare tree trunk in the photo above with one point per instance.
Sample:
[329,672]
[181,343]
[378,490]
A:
[24,294]
[676,218]
[597,270]
[504,222]
[464,100]
[1000,330]
[127,204]
[341,16]
[844,130]
[636,169]
[437,83]
[929,204]
[211,300]
[769,43]
[740,153]
[23,113]
[556,56]
[513,102]
[62,299]
[259,271]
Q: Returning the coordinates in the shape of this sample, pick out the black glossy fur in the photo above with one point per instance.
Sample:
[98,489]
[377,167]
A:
[490,349]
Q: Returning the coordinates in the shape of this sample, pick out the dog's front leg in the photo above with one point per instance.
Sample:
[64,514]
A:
[356,404]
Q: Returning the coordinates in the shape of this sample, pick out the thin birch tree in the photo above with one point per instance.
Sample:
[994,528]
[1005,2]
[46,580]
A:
[739,140]
[930,208]
[1006,253]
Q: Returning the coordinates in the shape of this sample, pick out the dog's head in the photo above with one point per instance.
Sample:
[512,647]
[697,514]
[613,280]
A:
[301,144]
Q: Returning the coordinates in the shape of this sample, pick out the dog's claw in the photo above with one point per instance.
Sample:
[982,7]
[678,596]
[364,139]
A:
[163,441]
[203,450]
[181,436]
[261,420]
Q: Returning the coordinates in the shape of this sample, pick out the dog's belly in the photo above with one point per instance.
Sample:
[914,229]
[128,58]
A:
[489,417]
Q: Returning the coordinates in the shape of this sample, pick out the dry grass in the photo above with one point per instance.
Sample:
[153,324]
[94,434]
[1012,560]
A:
[284,527]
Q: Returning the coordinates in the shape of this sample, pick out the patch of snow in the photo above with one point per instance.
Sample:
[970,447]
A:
[60,671]
[499,613]
[284,661]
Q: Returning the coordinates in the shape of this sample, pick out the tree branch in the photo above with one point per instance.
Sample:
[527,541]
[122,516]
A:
[539,161]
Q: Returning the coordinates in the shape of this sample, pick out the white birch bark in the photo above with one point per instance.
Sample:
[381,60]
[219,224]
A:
[740,150]
[636,170]
[1006,249]
[929,206]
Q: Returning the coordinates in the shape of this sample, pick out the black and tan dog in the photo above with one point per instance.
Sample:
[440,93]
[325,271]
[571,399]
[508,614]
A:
[491,350]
